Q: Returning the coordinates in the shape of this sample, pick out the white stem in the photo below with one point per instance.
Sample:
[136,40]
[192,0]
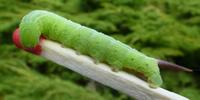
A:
[124,82]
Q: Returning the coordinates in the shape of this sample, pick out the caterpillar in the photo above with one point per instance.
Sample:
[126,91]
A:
[87,41]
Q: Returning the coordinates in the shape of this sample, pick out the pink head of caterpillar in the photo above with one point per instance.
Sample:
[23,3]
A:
[16,40]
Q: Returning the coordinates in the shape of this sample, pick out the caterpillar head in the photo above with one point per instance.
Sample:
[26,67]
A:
[16,40]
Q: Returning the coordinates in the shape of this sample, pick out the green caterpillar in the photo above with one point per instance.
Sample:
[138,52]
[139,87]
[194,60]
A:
[87,41]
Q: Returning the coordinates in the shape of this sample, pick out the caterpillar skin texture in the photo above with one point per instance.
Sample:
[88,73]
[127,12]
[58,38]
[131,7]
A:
[87,41]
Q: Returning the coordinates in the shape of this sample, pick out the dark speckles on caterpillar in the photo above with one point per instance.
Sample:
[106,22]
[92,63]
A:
[87,41]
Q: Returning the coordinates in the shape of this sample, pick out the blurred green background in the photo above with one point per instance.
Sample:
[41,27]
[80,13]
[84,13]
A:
[164,29]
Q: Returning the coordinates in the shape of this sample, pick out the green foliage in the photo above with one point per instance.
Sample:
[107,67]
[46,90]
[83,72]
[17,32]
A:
[164,29]
[29,85]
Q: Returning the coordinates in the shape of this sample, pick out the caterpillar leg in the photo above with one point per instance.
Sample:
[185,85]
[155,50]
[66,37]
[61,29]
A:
[154,81]
[96,61]
[115,69]
[77,52]
[63,46]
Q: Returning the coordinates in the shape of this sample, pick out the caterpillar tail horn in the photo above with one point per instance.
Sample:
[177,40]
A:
[167,65]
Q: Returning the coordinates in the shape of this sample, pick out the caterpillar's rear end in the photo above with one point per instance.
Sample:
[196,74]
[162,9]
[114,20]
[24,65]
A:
[117,54]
